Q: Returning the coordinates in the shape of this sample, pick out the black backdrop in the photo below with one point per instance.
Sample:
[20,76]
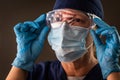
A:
[14,11]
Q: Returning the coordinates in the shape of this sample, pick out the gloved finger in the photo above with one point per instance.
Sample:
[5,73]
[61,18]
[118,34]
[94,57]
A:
[43,34]
[104,31]
[115,36]
[41,20]
[34,27]
[24,28]
[100,23]
[109,32]
[108,36]
[31,25]
[39,30]
[96,38]
[17,28]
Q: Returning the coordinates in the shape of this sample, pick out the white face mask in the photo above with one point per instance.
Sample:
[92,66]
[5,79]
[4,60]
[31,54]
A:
[68,42]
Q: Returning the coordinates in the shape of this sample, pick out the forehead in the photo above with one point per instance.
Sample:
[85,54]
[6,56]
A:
[72,12]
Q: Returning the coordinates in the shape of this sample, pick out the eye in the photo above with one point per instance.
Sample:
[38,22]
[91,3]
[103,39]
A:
[78,20]
[57,19]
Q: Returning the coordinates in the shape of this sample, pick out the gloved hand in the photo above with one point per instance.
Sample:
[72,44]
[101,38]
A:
[30,38]
[107,52]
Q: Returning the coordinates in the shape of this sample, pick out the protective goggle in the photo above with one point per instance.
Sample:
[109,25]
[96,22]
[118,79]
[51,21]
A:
[72,17]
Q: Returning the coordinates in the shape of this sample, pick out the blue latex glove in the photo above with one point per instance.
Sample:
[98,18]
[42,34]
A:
[30,37]
[107,52]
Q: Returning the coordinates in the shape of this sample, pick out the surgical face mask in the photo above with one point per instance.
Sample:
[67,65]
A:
[68,42]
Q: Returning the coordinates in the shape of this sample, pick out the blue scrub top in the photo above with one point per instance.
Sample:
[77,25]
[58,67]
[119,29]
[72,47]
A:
[52,70]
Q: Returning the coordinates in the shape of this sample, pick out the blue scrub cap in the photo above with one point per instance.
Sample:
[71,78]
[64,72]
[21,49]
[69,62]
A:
[90,6]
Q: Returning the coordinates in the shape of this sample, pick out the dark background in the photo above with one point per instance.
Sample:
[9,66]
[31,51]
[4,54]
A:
[14,11]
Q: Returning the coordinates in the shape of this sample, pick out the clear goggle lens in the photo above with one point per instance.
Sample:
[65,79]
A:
[72,17]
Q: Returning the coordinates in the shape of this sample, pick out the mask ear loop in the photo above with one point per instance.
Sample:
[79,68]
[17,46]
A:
[89,46]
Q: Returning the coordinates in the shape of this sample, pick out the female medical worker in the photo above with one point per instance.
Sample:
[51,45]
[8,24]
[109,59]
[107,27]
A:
[72,33]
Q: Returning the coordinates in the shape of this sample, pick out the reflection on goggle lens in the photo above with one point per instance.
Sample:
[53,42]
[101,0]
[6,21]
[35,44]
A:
[72,17]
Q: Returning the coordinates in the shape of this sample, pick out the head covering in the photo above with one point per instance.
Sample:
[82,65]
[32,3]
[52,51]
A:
[90,6]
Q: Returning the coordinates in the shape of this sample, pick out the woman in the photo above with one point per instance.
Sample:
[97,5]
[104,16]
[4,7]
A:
[70,24]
